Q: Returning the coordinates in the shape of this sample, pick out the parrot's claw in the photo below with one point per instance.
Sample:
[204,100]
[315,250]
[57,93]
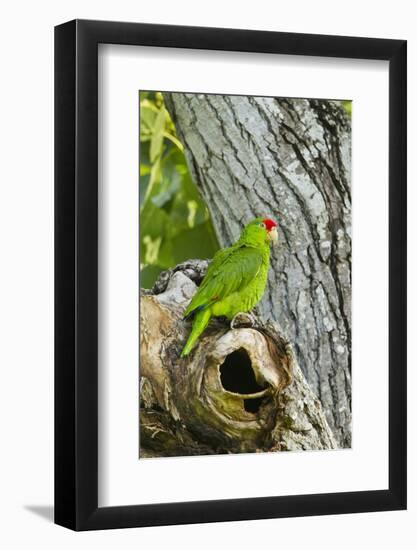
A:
[241,320]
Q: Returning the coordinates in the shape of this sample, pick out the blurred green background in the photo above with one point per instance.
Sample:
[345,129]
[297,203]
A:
[347,106]
[175,224]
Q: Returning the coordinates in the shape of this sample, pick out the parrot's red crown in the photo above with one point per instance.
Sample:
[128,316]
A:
[269,224]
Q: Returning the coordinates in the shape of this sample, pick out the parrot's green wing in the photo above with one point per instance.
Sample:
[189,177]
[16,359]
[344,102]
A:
[231,270]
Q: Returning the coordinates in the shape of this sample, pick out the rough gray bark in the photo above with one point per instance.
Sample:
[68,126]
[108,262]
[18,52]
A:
[288,159]
[199,405]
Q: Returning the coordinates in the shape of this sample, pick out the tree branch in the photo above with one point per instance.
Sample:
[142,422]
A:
[240,390]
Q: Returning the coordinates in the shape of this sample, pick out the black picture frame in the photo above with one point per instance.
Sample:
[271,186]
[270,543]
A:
[76,271]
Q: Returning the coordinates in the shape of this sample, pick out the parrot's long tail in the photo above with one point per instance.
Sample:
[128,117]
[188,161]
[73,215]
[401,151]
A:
[200,322]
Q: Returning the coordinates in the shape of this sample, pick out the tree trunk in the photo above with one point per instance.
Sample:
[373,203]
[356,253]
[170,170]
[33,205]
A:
[288,159]
[199,405]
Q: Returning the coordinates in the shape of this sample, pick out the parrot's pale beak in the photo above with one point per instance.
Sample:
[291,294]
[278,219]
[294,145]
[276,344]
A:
[273,235]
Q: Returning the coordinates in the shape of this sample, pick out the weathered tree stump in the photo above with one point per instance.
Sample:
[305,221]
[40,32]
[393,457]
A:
[288,159]
[240,390]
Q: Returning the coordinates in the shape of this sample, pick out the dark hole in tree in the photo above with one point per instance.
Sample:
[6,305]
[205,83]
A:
[236,374]
[253,405]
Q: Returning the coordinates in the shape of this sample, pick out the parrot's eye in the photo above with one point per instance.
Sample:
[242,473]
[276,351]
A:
[261,224]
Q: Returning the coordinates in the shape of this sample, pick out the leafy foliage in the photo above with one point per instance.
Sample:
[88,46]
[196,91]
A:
[174,221]
[347,106]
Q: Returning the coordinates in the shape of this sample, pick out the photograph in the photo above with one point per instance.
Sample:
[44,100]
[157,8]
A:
[208,331]
[245,255]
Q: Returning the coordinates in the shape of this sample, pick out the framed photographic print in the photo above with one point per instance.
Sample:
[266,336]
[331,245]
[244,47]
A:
[230,245]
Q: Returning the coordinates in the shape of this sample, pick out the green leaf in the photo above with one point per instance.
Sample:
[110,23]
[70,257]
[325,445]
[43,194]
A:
[168,189]
[147,117]
[152,224]
[154,179]
[157,135]
[174,140]
[347,105]
[144,170]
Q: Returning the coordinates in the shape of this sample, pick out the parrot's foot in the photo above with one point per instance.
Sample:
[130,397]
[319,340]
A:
[242,319]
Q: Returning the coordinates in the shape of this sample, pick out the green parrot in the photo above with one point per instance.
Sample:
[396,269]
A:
[235,279]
